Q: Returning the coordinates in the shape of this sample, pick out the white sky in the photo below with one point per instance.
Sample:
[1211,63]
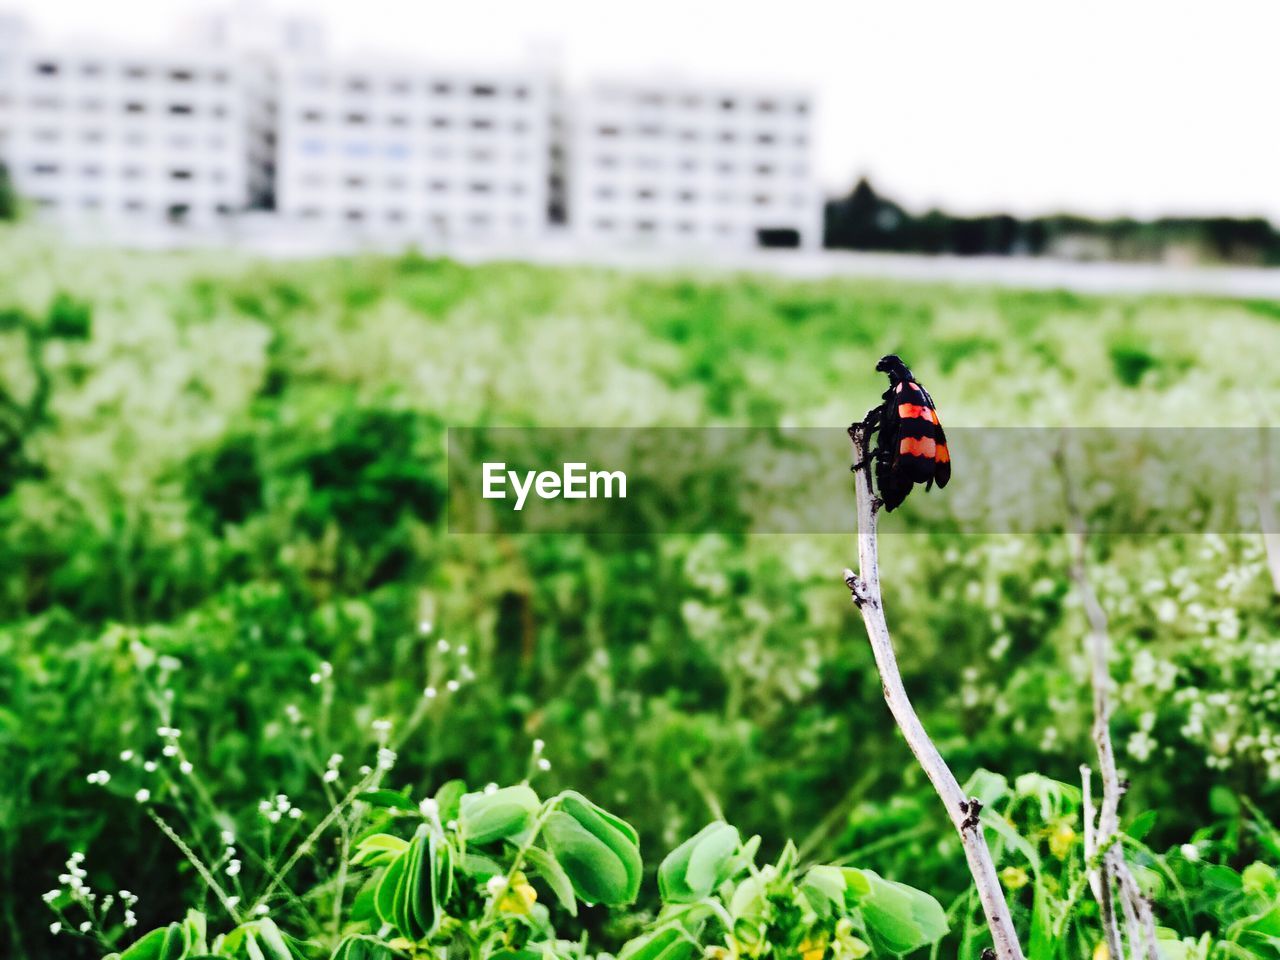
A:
[1135,107]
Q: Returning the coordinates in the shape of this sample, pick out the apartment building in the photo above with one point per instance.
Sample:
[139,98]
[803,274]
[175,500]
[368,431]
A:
[93,133]
[669,161]
[423,151]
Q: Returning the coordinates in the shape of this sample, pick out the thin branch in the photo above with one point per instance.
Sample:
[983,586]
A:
[963,811]
[1267,510]
[1114,868]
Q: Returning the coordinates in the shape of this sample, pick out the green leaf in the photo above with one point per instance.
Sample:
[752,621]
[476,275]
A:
[388,799]
[148,946]
[987,786]
[695,868]
[361,948]
[899,918]
[486,817]
[668,943]
[597,873]
[613,833]
[824,887]
[378,849]
[1142,824]
[384,897]
[449,799]
[549,869]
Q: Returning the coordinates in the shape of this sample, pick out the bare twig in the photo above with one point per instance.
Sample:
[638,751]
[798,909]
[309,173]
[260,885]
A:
[1114,870]
[963,811]
[1267,510]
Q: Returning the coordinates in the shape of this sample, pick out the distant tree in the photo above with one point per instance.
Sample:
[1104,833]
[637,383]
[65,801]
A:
[8,199]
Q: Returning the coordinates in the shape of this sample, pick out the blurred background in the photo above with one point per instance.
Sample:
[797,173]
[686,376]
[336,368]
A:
[256,261]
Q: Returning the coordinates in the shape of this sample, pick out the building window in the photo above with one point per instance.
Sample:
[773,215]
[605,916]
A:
[765,138]
[440,123]
[181,109]
[441,89]
[356,119]
[484,90]
[521,92]
[357,84]
[727,104]
[45,169]
[479,186]
[91,69]
[135,72]
[47,68]
[312,116]
[608,131]
[604,225]
[438,186]
[766,106]
[135,106]
[181,174]
[181,76]
[355,216]
[481,123]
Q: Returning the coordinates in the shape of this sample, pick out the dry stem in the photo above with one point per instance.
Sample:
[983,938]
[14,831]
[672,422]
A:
[964,811]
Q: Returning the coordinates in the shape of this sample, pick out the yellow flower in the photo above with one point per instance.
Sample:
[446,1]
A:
[1014,878]
[1100,952]
[1061,840]
[813,948]
[519,897]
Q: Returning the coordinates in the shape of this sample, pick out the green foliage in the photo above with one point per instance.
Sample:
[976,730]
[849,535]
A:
[231,512]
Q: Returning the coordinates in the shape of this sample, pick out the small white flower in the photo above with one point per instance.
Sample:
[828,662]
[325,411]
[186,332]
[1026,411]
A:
[544,764]
[382,726]
[1190,851]
[262,909]
[233,902]
[430,693]
[452,686]
[491,787]
[442,645]
[149,766]
[386,759]
[496,885]
[86,926]
[462,649]
[233,868]
[126,895]
[428,806]
[539,745]
[329,775]
[295,813]
[316,678]
[424,626]
[170,750]
[126,755]
[186,766]
[51,896]
[143,795]
[334,761]
[274,816]
[129,919]
[55,928]
[228,837]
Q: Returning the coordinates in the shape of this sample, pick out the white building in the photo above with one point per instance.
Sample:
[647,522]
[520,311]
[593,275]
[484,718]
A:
[671,161]
[434,153]
[93,133]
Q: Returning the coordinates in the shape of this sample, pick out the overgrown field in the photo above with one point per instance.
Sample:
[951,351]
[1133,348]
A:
[229,606]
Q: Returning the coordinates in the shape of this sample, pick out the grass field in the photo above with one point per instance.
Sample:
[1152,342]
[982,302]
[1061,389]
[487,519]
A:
[222,494]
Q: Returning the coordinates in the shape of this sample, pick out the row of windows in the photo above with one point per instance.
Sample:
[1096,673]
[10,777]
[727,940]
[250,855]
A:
[653,131]
[401,151]
[360,118]
[130,205]
[131,71]
[648,226]
[477,219]
[651,194]
[92,171]
[135,107]
[404,86]
[133,138]
[692,165]
[359,182]
[728,103]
